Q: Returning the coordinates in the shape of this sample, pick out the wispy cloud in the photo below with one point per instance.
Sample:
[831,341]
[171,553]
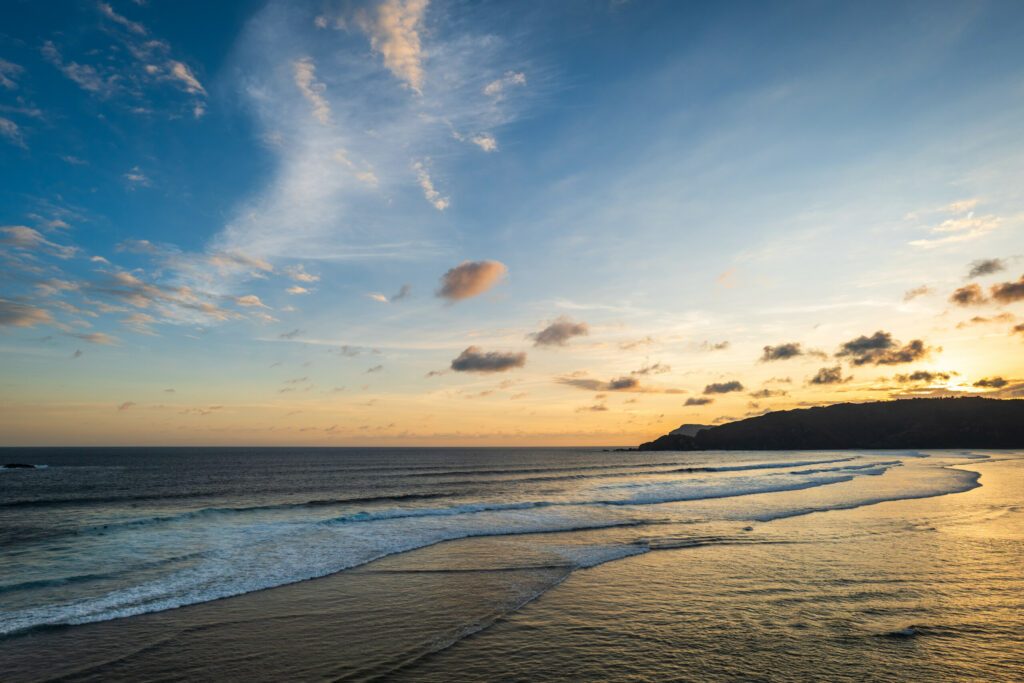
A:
[311,89]
[430,193]
[393,28]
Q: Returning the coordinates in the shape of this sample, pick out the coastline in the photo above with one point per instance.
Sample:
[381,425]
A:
[425,600]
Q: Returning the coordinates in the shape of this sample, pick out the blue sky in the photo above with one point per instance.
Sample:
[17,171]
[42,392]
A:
[256,204]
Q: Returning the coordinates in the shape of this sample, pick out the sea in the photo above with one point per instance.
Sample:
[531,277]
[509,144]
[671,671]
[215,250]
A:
[527,564]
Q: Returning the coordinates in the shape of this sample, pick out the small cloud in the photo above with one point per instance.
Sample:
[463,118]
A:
[916,292]
[403,293]
[375,368]
[968,295]
[393,29]
[77,354]
[636,344]
[596,408]
[485,141]
[132,26]
[136,178]
[559,332]
[250,301]
[14,314]
[881,349]
[923,376]
[655,369]
[768,393]
[29,239]
[126,405]
[781,352]
[304,73]
[426,183]
[474,359]
[1018,329]
[829,376]
[714,346]
[295,290]
[11,132]
[497,87]
[991,383]
[294,334]
[698,401]
[471,278]
[9,72]
[983,267]
[1009,292]
[169,391]
[723,387]
[97,338]
[299,274]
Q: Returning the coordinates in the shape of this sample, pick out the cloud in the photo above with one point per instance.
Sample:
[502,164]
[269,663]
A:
[305,80]
[714,346]
[470,278]
[97,338]
[14,314]
[781,352]
[9,71]
[180,72]
[11,132]
[429,191]
[85,76]
[968,295]
[136,178]
[295,290]
[987,266]
[394,34]
[698,401]
[768,393]
[404,292]
[299,274]
[723,387]
[923,376]
[829,376]
[637,343]
[474,359]
[991,383]
[1009,292]
[1017,329]
[250,300]
[963,227]
[485,141]
[29,239]
[656,369]
[916,292]
[133,26]
[881,349]
[126,405]
[375,368]
[497,87]
[294,334]
[140,322]
[77,354]
[559,332]
[983,320]
[596,408]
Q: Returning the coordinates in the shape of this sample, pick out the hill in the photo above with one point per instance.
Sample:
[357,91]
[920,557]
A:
[910,423]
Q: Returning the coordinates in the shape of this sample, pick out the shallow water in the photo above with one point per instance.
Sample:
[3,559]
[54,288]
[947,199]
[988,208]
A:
[526,564]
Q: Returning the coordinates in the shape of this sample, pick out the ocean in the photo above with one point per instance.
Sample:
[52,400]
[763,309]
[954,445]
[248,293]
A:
[512,564]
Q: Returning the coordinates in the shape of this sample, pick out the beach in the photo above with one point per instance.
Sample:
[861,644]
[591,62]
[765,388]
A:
[519,564]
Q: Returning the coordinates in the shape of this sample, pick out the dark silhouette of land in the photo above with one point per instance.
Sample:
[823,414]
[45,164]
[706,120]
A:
[911,423]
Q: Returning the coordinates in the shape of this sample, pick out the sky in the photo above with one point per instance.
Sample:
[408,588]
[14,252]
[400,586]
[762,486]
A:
[419,222]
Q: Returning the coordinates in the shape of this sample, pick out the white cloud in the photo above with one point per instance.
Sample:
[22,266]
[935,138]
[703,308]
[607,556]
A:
[296,289]
[10,131]
[961,228]
[9,71]
[429,191]
[299,274]
[394,34]
[497,87]
[485,141]
[250,300]
[136,178]
[311,89]
[180,72]
[133,26]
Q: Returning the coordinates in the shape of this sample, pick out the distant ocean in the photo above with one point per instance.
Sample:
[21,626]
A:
[499,536]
